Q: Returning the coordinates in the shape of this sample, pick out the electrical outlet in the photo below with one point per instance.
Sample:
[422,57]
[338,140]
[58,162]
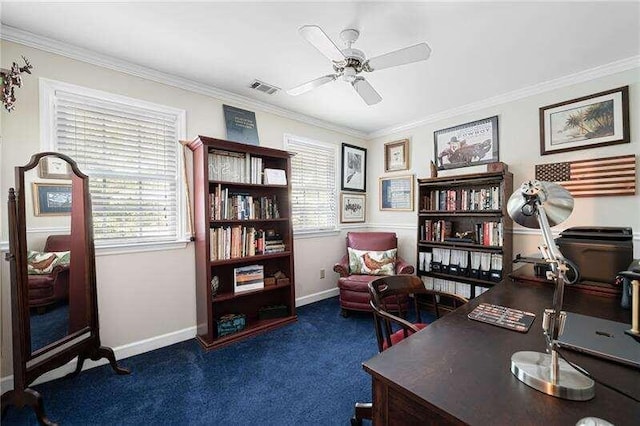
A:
[322,273]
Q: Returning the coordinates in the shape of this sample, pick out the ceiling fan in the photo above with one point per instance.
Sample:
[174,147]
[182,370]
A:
[348,63]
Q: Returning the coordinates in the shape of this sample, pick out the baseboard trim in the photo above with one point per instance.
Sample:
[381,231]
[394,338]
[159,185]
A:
[121,352]
[316,297]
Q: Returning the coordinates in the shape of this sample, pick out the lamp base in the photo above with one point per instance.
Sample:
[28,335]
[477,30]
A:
[534,369]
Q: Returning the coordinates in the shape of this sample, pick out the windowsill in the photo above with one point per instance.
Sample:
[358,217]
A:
[125,248]
[300,235]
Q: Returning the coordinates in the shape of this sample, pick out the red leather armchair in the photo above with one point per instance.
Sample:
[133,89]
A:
[45,290]
[354,289]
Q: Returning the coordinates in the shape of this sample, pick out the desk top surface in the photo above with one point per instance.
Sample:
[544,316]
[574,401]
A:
[462,367]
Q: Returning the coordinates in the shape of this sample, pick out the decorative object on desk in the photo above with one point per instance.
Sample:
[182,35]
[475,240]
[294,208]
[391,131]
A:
[502,316]
[541,205]
[593,178]
[396,155]
[590,121]
[467,145]
[396,193]
[354,168]
[215,285]
[241,125]
[434,169]
[11,79]
[352,207]
[231,323]
[51,200]
[275,177]
[247,278]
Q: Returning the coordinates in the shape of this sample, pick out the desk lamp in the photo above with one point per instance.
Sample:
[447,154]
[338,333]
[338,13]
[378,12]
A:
[541,205]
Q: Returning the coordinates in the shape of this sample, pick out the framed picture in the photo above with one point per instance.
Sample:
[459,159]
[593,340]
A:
[354,168]
[588,122]
[241,125]
[51,167]
[51,200]
[467,145]
[396,193]
[396,156]
[353,207]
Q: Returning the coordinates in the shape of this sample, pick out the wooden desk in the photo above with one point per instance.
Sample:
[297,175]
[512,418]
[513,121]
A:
[457,371]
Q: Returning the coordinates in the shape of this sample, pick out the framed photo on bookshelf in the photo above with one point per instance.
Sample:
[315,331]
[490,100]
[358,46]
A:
[396,193]
[354,168]
[352,207]
[468,144]
[590,121]
[396,156]
[247,278]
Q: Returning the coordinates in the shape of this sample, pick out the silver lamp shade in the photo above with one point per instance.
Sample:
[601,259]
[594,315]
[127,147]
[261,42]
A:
[556,201]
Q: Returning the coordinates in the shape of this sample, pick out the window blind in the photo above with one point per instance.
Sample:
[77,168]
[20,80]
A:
[313,185]
[131,156]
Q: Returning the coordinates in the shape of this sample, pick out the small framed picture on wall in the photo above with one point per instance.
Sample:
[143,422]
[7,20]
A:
[354,168]
[396,156]
[396,193]
[353,207]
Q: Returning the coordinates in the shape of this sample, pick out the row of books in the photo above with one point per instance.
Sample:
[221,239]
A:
[232,242]
[225,205]
[453,287]
[484,233]
[463,199]
[239,167]
[467,263]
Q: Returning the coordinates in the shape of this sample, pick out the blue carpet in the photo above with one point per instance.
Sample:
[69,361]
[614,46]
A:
[306,373]
[49,326]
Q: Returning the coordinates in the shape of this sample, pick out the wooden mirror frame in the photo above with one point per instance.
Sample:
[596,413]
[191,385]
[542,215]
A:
[83,343]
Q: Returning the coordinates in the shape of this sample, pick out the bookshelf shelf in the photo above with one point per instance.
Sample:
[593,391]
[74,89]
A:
[473,204]
[228,190]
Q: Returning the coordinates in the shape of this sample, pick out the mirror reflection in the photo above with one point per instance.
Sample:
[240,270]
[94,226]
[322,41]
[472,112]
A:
[57,285]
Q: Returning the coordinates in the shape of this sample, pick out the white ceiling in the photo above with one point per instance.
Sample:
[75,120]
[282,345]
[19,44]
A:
[480,50]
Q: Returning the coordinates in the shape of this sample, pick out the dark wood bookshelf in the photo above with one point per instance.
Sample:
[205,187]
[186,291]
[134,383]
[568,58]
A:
[461,219]
[209,309]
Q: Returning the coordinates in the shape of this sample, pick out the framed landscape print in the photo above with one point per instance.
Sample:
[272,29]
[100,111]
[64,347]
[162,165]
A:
[396,193]
[354,168]
[467,144]
[352,207]
[396,156]
[588,122]
[51,200]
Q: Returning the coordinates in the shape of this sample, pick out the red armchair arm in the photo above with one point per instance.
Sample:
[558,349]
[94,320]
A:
[403,267]
[342,267]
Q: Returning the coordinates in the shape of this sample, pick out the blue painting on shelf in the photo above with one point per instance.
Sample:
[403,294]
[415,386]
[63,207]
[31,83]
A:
[241,125]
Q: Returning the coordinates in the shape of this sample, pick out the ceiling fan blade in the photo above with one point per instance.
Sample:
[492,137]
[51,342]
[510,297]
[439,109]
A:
[366,91]
[309,85]
[314,35]
[416,53]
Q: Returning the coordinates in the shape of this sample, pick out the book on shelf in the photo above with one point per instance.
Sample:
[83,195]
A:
[232,242]
[468,199]
[246,278]
[227,205]
[238,167]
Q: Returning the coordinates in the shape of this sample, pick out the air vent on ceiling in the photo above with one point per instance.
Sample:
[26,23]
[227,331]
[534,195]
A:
[264,87]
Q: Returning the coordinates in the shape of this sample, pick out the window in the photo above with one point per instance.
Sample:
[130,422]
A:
[130,151]
[313,184]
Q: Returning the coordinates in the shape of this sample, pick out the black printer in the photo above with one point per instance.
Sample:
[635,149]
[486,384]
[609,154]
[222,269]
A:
[598,252]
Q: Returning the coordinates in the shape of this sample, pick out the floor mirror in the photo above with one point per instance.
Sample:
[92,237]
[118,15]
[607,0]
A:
[54,305]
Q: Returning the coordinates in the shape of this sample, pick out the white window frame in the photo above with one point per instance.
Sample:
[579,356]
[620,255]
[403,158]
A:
[48,143]
[335,147]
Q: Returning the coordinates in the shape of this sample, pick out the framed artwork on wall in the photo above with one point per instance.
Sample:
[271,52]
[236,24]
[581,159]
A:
[590,121]
[396,193]
[468,144]
[396,156]
[354,168]
[51,167]
[353,207]
[51,200]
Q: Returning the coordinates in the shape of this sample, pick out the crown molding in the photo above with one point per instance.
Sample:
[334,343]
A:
[46,44]
[579,77]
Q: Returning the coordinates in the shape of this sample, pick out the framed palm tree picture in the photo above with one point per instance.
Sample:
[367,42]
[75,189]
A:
[591,121]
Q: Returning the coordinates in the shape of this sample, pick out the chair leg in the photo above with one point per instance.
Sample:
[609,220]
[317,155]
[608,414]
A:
[364,410]
[344,313]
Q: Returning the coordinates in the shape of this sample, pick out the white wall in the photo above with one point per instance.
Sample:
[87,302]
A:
[143,295]
[520,150]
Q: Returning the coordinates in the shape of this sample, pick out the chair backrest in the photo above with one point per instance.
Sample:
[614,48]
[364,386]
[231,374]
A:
[377,241]
[57,243]
[386,291]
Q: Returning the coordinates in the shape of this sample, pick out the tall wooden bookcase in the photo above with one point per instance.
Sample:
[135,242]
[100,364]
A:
[475,204]
[232,180]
